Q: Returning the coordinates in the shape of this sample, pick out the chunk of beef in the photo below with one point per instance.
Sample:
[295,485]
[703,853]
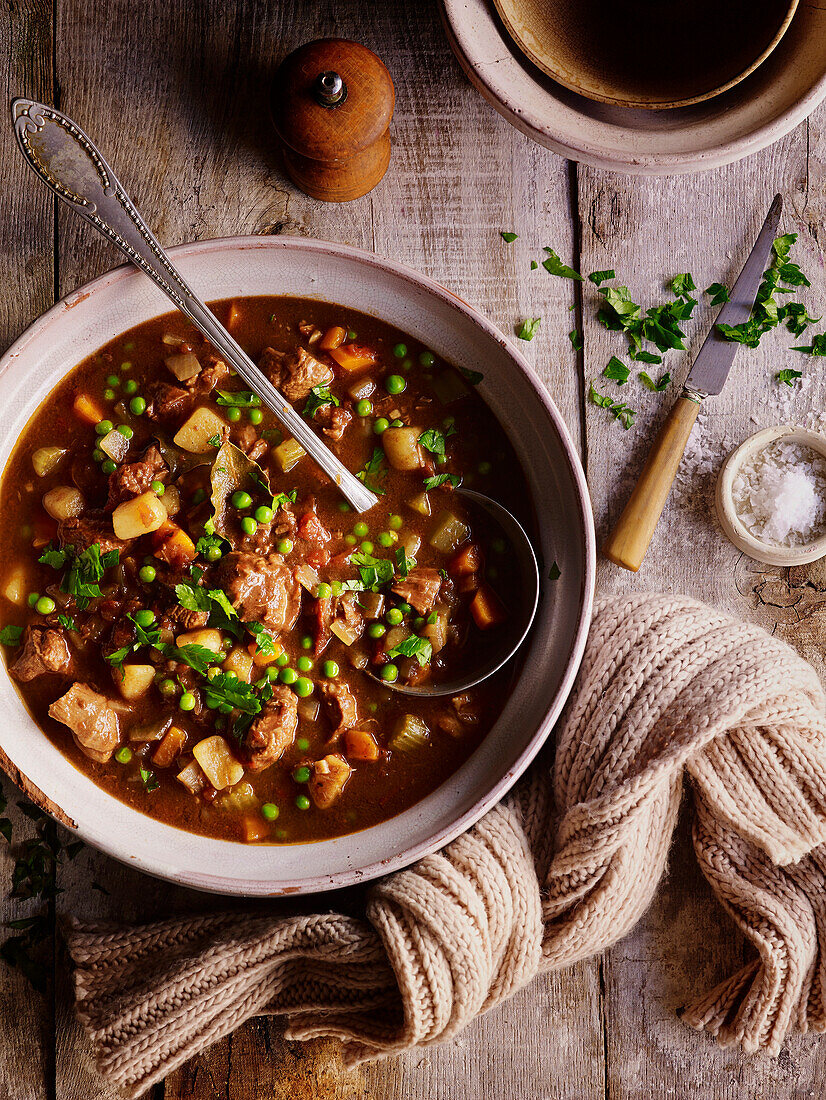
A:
[420,589]
[92,720]
[82,531]
[312,529]
[261,589]
[247,440]
[333,420]
[168,404]
[183,618]
[340,705]
[272,732]
[321,616]
[341,609]
[215,373]
[296,373]
[44,650]
[328,779]
[134,478]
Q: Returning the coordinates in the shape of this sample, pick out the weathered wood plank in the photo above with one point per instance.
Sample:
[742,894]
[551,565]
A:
[26,236]
[649,231]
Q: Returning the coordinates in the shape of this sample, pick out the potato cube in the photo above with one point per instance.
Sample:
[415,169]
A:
[17,588]
[192,777]
[63,501]
[138,516]
[114,445]
[449,533]
[208,637]
[401,445]
[44,459]
[195,433]
[240,662]
[288,454]
[218,764]
[183,366]
[134,680]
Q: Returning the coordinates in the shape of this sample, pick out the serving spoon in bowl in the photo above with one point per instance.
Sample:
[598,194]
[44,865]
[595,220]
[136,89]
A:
[67,161]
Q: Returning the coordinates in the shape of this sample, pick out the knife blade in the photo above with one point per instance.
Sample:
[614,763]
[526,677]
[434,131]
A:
[630,538]
[715,358]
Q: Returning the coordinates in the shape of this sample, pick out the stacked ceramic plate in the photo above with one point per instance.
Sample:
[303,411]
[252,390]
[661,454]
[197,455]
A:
[648,87]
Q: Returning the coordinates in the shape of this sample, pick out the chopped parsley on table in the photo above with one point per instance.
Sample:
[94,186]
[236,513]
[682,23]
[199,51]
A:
[529,328]
[616,370]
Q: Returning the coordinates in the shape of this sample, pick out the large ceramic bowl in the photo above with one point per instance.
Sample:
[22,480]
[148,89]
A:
[99,311]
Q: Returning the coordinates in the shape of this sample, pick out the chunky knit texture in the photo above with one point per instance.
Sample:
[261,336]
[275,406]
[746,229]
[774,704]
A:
[560,870]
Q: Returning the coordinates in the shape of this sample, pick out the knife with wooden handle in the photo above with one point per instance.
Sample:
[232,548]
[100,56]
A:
[628,542]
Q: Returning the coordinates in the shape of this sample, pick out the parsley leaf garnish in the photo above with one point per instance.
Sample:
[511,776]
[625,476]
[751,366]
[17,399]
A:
[420,648]
[196,656]
[264,641]
[373,470]
[214,440]
[442,479]
[650,384]
[11,635]
[529,328]
[508,238]
[599,277]
[149,779]
[682,285]
[618,409]
[554,266]
[373,572]
[555,572]
[228,691]
[797,318]
[719,293]
[281,500]
[576,339]
[404,563]
[616,370]
[817,346]
[474,377]
[85,570]
[434,441]
[318,398]
[788,376]
[241,399]
[67,622]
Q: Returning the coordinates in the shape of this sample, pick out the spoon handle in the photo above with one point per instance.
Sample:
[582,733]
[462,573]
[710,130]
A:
[67,161]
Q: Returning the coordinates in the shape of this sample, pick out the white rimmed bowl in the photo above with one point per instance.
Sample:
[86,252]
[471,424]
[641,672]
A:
[94,314]
[732,525]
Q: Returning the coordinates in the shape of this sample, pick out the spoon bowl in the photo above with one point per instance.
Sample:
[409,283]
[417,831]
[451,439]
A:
[514,631]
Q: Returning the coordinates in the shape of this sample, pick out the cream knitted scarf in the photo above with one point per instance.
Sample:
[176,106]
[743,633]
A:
[669,689]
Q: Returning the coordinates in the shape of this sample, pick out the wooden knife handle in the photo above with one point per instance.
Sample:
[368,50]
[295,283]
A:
[628,542]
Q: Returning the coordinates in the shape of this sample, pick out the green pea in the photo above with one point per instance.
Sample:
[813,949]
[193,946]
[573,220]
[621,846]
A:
[367,546]
[282,659]
[376,630]
[123,755]
[240,499]
[330,669]
[113,381]
[499,546]
[389,673]
[387,538]
[103,427]
[343,506]
[168,687]
[147,573]
[360,529]
[352,335]
[407,364]
[145,617]
[125,431]
[269,811]
[302,802]
[255,416]
[427,358]
[380,425]
[108,395]
[351,540]
[302,744]
[484,467]
[214,553]
[304,664]
[33,598]
[233,414]
[248,525]
[324,591]
[372,707]
[231,675]
[45,605]
[400,350]
[285,546]
[306,642]
[98,455]
[395,523]
[263,514]
[395,384]
[405,608]
[186,701]
[130,387]
[126,366]
[198,496]
[108,467]
[302,774]
[137,406]
[394,616]
[364,407]
[303,687]
[288,676]
[158,488]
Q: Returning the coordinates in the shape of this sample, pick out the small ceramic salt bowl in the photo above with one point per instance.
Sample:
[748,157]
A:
[733,526]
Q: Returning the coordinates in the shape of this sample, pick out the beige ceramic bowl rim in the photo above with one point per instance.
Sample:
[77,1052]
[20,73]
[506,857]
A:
[484,56]
[159,865]
[562,76]
[734,528]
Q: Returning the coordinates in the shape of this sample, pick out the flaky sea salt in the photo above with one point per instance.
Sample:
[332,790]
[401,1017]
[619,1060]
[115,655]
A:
[780,494]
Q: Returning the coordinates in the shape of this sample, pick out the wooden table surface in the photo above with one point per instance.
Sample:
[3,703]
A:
[175,93]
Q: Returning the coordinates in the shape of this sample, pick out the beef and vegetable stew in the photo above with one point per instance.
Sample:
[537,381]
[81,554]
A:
[190,609]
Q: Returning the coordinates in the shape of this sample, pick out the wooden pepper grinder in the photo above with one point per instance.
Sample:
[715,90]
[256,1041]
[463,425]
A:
[332,101]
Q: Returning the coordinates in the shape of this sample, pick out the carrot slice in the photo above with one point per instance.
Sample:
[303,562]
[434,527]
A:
[487,609]
[469,559]
[87,410]
[173,741]
[333,338]
[361,745]
[351,357]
